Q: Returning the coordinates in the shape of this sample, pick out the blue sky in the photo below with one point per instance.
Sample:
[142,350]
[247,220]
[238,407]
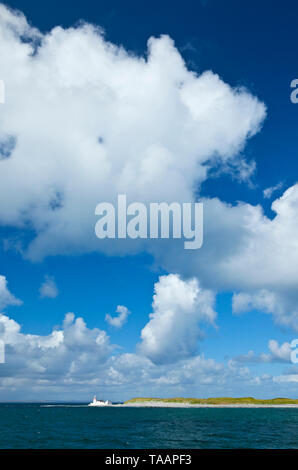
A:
[222,318]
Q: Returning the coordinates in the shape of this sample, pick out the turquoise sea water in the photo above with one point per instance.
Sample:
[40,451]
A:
[77,426]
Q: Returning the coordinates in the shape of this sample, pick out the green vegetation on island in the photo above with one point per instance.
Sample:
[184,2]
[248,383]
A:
[217,401]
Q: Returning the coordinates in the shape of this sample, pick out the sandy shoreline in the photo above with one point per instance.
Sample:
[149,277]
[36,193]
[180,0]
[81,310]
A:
[153,404]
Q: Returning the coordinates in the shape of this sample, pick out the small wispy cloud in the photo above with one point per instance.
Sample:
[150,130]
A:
[277,353]
[119,320]
[49,288]
[6,297]
[268,192]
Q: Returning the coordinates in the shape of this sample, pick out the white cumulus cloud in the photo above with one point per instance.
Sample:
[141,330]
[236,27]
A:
[246,252]
[173,330]
[101,121]
[119,320]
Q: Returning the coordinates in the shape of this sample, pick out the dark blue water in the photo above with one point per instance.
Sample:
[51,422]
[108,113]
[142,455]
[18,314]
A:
[52,427]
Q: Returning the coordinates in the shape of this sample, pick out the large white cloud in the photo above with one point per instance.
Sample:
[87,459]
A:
[246,252]
[173,331]
[85,120]
[243,247]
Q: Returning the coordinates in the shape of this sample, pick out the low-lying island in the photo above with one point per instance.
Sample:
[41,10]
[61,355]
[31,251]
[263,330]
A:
[220,402]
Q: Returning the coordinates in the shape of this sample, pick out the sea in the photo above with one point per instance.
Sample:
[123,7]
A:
[77,426]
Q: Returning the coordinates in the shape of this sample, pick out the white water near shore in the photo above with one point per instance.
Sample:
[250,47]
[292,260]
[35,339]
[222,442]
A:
[152,404]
